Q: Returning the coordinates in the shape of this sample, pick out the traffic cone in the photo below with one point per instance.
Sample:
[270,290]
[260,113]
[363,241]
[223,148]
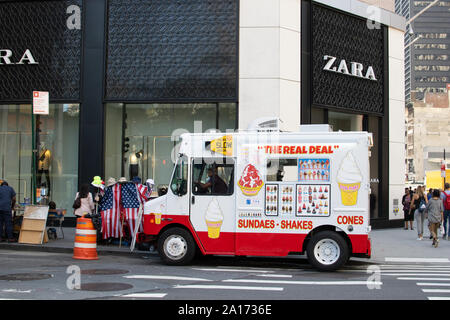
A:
[85,246]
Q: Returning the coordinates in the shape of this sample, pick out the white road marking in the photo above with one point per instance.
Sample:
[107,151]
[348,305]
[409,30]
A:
[232,270]
[165,278]
[417,274]
[143,295]
[228,287]
[400,270]
[325,283]
[436,290]
[423,279]
[275,275]
[16,291]
[433,284]
[432,260]
[438,298]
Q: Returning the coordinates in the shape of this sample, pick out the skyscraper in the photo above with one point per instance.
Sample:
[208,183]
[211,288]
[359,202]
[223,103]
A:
[427,63]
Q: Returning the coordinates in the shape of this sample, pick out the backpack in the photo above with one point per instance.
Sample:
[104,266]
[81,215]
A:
[422,205]
[446,201]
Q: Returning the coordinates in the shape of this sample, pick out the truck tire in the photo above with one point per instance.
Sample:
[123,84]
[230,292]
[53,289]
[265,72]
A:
[327,251]
[176,246]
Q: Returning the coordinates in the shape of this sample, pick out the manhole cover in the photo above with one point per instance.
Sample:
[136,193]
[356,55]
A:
[103,271]
[25,276]
[105,286]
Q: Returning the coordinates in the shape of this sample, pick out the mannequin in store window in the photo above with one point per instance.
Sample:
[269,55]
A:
[44,161]
[134,165]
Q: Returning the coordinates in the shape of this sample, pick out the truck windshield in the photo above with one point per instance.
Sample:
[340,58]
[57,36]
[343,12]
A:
[179,178]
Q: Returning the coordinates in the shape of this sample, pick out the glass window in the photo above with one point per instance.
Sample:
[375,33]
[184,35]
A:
[211,177]
[142,139]
[374,127]
[57,157]
[180,177]
[282,170]
[345,121]
[317,115]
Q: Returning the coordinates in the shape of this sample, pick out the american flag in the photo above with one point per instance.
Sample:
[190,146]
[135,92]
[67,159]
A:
[131,203]
[144,193]
[109,208]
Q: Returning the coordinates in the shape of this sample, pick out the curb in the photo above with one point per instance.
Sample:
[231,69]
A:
[100,252]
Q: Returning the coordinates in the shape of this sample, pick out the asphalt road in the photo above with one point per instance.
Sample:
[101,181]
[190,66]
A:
[46,276]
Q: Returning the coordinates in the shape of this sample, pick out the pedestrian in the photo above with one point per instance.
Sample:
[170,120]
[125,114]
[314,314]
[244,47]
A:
[429,194]
[408,216]
[446,202]
[7,203]
[419,206]
[435,213]
[85,203]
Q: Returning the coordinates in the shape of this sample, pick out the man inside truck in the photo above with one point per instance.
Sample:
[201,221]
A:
[214,183]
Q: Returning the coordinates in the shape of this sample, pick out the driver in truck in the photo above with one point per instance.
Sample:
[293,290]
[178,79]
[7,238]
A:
[214,183]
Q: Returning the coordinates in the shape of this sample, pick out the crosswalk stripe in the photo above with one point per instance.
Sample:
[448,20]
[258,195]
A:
[327,283]
[155,277]
[433,284]
[417,274]
[228,287]
[429,260]
[143,295]
[438,298]
[436,290]
[400,270]
[423,279]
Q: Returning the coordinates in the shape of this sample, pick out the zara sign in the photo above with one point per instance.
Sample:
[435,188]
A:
[356,69]
[6,57]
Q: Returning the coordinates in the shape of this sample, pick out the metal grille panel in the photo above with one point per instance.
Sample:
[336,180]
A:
[41,27]
[349,38]
[172,50]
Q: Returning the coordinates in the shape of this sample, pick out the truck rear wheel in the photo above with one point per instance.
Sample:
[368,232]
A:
[327,251]
[176,246]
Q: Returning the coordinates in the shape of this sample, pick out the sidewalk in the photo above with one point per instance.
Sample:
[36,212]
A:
[386,243]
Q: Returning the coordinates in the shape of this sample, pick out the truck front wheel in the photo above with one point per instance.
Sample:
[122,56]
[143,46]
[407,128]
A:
[176,246]
[327,251]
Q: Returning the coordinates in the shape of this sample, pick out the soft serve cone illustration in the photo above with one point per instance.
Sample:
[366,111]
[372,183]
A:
[214,219]
[349,179]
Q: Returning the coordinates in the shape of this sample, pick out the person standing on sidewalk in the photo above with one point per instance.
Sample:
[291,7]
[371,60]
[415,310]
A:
[446,201]
[419,206]
[7,203]
[408,216]
[435,210]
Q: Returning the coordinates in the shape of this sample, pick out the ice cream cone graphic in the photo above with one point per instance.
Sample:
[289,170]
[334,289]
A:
[214,219]
[158,218]
[349,180]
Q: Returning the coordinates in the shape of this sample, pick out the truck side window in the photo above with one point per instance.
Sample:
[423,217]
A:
[213,178]
[282,170]
[179,179]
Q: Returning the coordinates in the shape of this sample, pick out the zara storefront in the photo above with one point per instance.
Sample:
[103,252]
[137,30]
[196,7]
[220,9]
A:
[126,77]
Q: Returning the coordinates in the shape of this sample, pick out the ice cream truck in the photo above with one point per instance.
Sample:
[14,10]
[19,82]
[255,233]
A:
[266,193]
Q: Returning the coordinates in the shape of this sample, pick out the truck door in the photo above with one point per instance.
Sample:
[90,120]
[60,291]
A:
[212,211]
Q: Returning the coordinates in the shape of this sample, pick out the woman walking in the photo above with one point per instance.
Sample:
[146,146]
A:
[419,206]
[84,204]
[435,210]
[408,215]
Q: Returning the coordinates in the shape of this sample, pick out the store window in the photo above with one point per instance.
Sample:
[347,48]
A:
[141,139]
[57,144]
[374,128]
[345,121]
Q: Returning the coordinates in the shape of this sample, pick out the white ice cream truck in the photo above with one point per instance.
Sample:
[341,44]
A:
[266,193]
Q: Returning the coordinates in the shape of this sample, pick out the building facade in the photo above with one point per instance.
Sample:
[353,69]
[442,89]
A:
[127,77]
[427,63]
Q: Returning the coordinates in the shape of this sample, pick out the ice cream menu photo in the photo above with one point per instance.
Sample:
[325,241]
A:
[314,170]
[313,200]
